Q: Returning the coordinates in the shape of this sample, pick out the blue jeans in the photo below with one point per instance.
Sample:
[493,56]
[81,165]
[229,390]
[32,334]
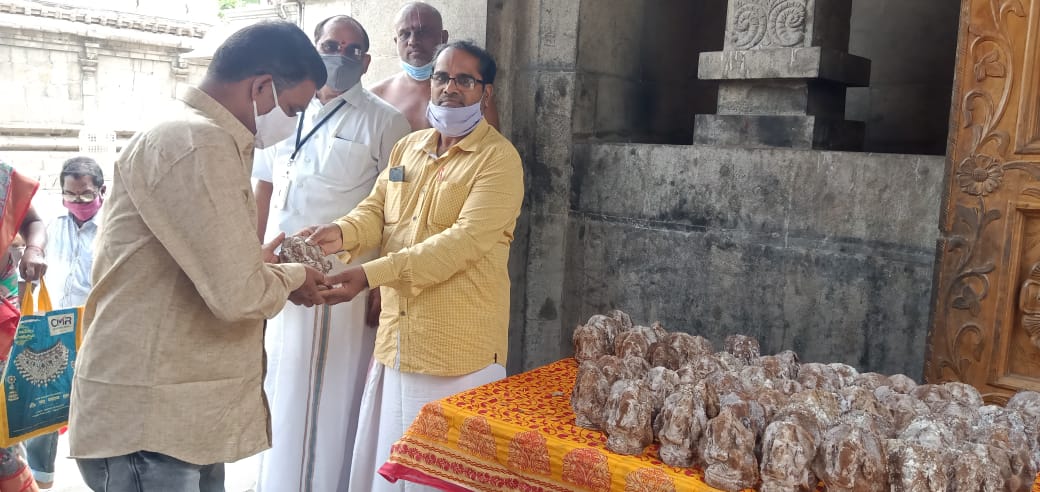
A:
[40,452]
[145,471]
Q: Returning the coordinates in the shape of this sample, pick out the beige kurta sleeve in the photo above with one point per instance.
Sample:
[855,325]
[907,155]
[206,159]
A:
[200,207]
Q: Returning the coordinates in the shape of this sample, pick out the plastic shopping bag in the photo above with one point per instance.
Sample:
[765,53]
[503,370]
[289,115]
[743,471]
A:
[38,379]
[9,315]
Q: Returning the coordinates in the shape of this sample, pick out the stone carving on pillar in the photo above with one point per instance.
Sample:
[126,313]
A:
[179,68]
[88,64]
[88,60]
[782,77]
[767,23]
[291,11]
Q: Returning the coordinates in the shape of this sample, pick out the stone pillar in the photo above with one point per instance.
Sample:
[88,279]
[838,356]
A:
[88,65]
[181,71]
[536,44]
[782,77]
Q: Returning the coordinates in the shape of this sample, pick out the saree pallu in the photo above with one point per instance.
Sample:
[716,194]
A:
[16,192]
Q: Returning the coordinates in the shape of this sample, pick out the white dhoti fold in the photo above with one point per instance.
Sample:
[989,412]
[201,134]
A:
[317,361]
[391,402]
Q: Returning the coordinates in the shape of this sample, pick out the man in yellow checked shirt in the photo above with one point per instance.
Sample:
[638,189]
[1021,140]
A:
[444,212]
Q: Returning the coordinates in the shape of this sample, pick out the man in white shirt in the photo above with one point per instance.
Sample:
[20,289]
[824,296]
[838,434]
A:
[318,357]
[70,255]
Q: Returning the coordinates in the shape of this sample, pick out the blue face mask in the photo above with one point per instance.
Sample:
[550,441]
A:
[418,73]
[454,122]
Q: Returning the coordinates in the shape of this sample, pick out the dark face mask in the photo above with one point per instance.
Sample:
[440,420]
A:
[344,72]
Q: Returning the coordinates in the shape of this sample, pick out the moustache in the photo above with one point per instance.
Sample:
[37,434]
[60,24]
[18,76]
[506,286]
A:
[446,99]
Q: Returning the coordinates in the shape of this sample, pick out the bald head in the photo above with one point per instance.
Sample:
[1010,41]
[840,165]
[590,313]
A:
[418,30]
[321,30]
[424,11]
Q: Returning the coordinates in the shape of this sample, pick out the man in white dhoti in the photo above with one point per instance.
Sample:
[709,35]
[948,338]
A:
[318,357]
[442,217]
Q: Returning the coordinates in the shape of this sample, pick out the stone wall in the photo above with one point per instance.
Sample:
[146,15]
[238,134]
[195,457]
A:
[637,64]
[536,46]
[912,45]
[826,253]
[673,91]
[62,75]
[197,10]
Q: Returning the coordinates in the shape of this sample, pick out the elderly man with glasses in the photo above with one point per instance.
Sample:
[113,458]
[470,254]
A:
[442,218]
[318,356]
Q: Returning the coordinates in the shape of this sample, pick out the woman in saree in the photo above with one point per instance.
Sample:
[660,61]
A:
[16,215]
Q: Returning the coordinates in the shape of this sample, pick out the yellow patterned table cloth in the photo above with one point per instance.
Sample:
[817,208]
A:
[518,434]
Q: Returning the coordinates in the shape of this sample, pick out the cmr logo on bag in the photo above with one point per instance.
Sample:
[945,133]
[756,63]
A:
[61,323]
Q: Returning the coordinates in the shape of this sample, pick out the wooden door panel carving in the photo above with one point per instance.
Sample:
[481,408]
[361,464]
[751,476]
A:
[1028,131]
[987,299]
[1017,361]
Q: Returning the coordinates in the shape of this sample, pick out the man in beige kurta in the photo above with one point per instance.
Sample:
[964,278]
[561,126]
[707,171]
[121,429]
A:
[168,384]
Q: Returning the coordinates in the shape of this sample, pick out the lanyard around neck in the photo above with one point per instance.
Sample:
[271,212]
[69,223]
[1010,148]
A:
[299,129]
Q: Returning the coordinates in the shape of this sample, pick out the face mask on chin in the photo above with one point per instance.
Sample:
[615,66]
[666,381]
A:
[454,122]
[273,126]
[418,73]
[344,72]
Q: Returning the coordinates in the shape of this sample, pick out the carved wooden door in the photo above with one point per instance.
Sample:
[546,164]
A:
[986,323]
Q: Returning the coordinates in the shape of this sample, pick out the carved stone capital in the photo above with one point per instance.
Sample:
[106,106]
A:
[783,72]
[88,58]
[179,68]
[770,24]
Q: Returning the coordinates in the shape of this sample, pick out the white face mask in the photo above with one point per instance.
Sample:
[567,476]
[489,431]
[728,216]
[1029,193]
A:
[275,125]
[454,122]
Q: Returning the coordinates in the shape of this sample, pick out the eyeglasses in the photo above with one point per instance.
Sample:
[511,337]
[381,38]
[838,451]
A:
[441,79]
[85,197]
[333,47]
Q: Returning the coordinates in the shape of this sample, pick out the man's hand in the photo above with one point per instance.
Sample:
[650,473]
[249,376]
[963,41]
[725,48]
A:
[267,250]
[375,301]
[33,265]
[346,285]
[328,236]
[309,294]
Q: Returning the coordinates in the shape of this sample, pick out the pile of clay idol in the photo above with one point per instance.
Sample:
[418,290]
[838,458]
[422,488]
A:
[771,423]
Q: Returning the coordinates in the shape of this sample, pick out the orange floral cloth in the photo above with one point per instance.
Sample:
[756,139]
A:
[518,434]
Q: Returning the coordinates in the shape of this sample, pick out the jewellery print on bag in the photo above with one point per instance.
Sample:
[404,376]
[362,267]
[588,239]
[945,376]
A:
[40,368]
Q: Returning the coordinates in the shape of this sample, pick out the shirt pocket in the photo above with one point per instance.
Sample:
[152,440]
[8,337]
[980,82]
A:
[348,165]
[396,197]
[447,202]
